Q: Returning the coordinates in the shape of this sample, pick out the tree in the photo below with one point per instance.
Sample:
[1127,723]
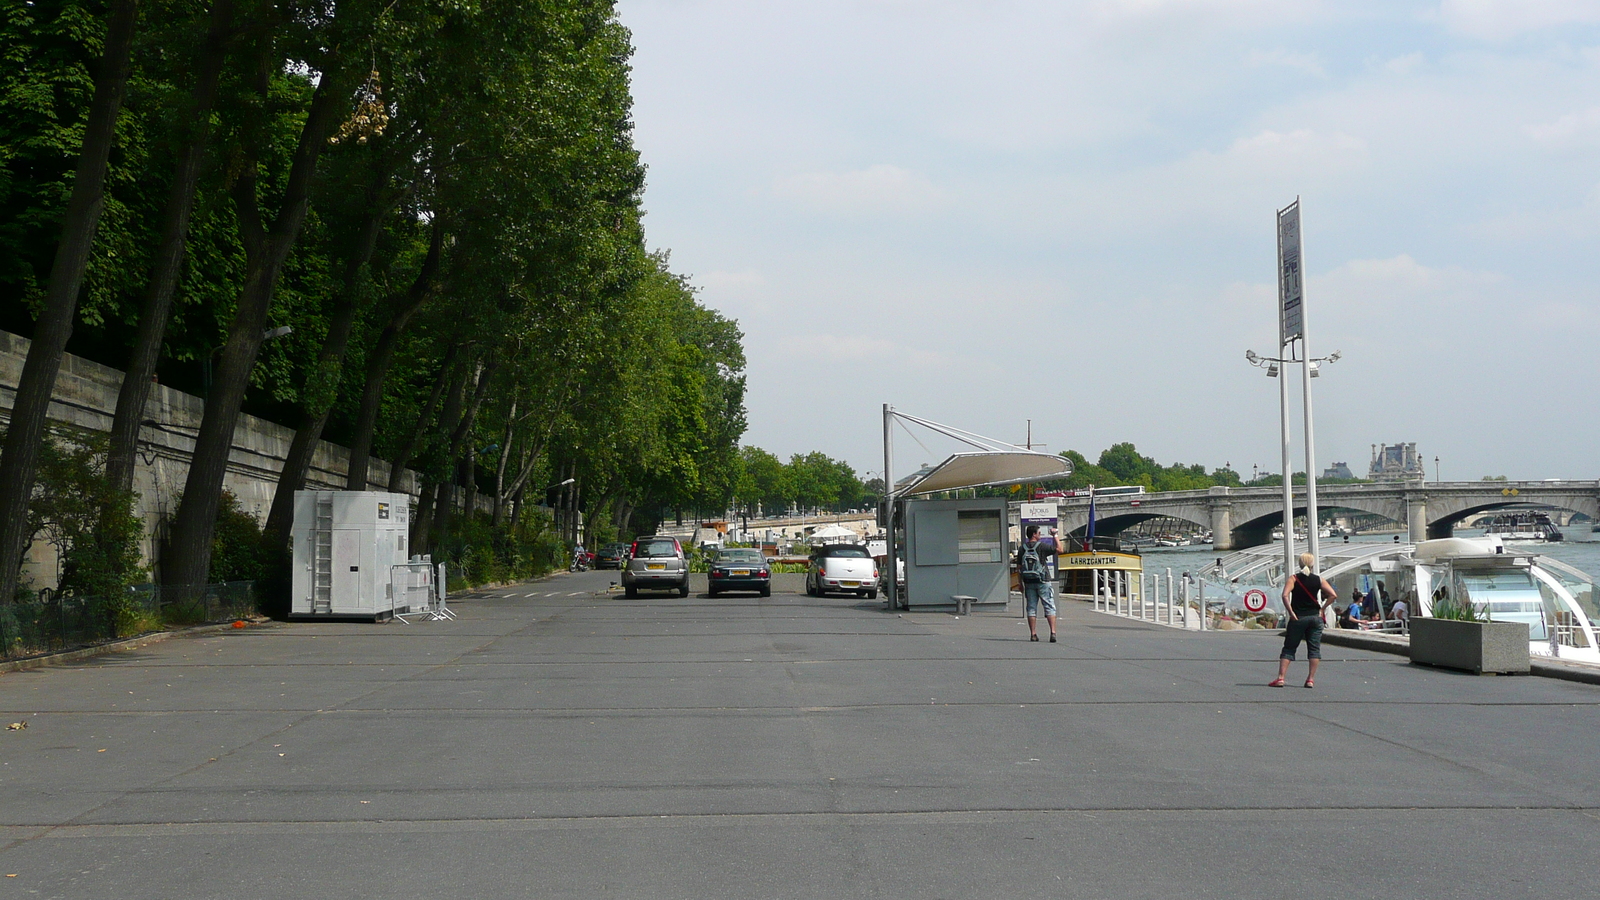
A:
[19,459]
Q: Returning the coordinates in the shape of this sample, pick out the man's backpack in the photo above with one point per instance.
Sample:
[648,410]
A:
[1032,567]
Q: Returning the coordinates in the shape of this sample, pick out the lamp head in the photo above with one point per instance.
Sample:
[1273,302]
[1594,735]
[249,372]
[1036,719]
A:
[1272,370]
[1251,357]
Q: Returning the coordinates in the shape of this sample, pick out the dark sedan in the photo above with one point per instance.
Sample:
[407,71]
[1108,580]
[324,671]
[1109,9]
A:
[739,570]
[611,556]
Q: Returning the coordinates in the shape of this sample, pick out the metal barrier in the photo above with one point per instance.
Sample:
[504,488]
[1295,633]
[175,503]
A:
[53,623]
[1147,598]
[416,592]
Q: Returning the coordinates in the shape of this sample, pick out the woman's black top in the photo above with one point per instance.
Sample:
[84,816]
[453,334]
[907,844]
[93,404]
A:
[1304,600]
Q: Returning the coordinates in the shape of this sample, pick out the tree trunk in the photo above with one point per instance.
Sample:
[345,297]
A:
[188,561]
[382,358]
[19,462]
[498,516]
[516,509]
[401,459]
[168,263]
[323,389]
[443,513]
[419,521]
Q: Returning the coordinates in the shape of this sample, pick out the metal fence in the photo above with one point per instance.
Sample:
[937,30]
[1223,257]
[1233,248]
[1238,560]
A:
[50,624]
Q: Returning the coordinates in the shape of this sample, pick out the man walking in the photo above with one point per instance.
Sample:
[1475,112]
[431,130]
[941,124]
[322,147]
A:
[1034,574]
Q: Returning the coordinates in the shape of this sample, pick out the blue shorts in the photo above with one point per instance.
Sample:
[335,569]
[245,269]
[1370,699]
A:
[1042,592]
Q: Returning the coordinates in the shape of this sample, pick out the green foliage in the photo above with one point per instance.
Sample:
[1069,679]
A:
[237,551]
[481,553]
[505,125]
[1448,606]
[92,525]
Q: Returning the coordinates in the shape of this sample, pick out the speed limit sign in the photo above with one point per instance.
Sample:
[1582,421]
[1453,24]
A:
[1255,600]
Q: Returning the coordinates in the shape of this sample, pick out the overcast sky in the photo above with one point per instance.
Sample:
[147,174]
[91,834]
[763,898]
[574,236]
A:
[985,212]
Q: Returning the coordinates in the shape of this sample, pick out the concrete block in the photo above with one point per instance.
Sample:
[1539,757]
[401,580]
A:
[1478,647]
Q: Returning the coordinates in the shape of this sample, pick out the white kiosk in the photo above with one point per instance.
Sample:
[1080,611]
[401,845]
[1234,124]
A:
[955,551]
[347,545]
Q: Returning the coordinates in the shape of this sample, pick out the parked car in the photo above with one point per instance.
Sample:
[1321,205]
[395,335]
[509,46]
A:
[842,568]
[611,556]
[739,569]
[656,564]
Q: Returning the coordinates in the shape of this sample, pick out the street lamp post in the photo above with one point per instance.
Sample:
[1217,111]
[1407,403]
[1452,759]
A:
[1274,367]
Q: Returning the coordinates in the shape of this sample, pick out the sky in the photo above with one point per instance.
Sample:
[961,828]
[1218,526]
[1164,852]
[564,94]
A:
[988,212]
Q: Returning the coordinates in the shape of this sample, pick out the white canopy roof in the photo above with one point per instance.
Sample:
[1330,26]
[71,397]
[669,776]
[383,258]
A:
[989,468]
[833,531]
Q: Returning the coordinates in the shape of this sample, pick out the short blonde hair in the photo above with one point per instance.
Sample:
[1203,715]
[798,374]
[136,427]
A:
[1308,560]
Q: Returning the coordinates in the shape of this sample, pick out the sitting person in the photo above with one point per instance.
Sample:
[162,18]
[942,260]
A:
[1400,611]
[1351,617]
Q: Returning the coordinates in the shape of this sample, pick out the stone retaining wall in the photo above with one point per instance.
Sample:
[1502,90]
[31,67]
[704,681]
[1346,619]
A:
[86,397]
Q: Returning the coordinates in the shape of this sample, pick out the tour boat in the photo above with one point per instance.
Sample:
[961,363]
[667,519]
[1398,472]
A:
[1554,599]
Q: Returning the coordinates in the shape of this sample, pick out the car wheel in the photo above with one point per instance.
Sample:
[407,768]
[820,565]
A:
[766,591]
[683,589]
[631,592]
[872,595]
[710,593]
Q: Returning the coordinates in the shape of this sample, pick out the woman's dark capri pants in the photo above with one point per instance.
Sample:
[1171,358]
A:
[1305,628]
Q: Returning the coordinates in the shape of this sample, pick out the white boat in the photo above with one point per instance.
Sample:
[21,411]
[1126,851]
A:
[1555,600]
[1520,525]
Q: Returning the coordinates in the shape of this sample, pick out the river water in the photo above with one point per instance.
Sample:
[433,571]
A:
[1583,554]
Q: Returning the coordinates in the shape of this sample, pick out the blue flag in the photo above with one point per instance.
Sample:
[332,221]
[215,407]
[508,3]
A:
[1088,541]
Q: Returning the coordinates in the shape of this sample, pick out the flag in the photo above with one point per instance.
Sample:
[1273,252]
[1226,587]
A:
[1088,541]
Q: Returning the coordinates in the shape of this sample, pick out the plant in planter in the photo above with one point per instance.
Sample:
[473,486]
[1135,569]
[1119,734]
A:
[1459,636]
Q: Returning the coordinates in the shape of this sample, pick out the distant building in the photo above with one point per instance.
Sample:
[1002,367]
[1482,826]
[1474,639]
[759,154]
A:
[1338,470]
[1395,462]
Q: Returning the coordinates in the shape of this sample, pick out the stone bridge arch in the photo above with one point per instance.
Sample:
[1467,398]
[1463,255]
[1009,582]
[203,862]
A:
[1118,522]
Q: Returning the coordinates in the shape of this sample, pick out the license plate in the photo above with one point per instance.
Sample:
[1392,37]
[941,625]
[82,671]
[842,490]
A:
[655,567]
[849,583]
[739,572]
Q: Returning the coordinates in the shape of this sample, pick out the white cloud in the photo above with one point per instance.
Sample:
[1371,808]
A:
[1574,130]
[1405,64]
[879,189]
[1501,19]
[1304,62]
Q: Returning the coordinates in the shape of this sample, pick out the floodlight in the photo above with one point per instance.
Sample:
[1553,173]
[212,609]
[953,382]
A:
[1272,370]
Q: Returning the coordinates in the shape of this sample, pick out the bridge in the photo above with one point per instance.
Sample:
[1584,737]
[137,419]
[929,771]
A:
[1241,517]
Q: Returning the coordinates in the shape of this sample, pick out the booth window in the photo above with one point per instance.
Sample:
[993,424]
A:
[979,536]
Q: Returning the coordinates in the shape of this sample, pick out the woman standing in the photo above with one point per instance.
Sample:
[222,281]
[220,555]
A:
[1305,596]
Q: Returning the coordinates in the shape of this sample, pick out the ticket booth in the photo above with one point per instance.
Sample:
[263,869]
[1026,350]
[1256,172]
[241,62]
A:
[956,548]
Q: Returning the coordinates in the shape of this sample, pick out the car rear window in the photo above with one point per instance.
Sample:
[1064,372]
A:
[741,556]
[847,552]
[657,549]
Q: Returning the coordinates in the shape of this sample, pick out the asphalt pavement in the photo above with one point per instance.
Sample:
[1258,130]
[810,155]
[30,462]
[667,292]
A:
[558,740]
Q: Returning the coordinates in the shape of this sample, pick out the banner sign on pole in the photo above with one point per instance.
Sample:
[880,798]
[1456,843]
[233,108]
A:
[1047,517]
[1291,322]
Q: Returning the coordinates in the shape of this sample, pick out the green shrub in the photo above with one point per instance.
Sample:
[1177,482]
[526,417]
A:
[93,525]
[237,551]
